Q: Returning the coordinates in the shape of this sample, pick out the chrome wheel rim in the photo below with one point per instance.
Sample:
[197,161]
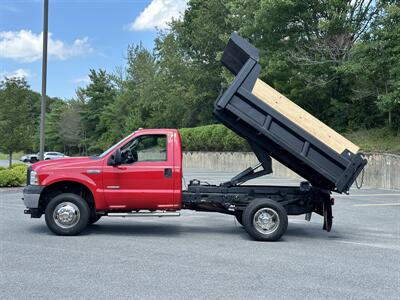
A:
[66,215]
[266,220]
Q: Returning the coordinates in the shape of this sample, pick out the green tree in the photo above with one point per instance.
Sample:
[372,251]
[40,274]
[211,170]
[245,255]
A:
[200,38]
[337,59]
[374,66]
[387,32]
[16,124]
[140,88]
[134,102]
[304,44]
[97,95]
[53,139]
[64,128]
[70,127]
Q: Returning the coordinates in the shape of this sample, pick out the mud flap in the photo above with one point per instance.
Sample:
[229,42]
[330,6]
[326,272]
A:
[327,213]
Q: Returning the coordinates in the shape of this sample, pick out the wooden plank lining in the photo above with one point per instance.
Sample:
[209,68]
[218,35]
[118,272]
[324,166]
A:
[302,118]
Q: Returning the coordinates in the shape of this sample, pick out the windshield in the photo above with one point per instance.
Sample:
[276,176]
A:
[113,146]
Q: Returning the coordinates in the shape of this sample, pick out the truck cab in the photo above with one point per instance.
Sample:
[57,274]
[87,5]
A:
[143,171]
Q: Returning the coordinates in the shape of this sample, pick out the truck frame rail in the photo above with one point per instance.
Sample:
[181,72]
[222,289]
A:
[296,200]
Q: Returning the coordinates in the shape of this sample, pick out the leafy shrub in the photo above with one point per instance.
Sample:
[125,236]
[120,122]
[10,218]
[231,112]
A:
[212,138]
[18,165]
[16,176]
[2,168]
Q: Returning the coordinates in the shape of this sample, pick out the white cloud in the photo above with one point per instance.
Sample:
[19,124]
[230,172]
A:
[84,79]
[25,46]
[157,14]
[19,73]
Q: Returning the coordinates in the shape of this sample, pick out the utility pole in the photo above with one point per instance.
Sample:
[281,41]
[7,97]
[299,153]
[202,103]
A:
[44,77]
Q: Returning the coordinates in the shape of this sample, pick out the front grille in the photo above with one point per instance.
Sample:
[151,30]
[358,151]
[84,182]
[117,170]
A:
[28,175]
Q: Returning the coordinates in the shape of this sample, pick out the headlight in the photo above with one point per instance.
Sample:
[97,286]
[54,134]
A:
[33,178]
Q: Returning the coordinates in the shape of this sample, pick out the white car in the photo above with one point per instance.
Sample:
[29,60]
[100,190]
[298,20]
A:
[53,155]
[32,158]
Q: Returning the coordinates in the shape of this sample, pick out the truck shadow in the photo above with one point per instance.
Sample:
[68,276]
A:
[132,229]
[310,231]
[118,230]
[156,230]
[303,231]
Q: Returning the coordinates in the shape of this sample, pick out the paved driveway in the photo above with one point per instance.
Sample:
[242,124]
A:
[206,255]
[5,163]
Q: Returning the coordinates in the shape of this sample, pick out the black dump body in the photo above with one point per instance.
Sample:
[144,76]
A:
[275,127]
[273,134]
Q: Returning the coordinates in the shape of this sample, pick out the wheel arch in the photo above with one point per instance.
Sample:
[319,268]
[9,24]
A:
[66,186]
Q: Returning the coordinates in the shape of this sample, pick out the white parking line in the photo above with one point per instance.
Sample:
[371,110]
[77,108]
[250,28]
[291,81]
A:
[370,245]
[365,195]
[378,204]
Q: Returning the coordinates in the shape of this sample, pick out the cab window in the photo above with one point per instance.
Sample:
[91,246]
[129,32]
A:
[145,148]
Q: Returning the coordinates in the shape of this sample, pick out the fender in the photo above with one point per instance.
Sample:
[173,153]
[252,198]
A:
[82,179]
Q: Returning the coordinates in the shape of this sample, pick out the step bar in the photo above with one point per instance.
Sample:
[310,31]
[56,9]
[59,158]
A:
[160,214]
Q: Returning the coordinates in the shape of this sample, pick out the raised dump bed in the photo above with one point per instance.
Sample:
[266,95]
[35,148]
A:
[280,128]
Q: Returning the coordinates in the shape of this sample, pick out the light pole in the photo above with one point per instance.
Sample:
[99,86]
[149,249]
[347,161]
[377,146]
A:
[44,77]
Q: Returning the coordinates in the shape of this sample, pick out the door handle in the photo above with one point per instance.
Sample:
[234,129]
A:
[167,172]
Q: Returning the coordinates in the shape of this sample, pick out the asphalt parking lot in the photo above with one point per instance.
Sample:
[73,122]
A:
[207,255]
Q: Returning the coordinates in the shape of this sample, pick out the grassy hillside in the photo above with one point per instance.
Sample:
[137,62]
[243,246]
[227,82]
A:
[376,140]
[219,138]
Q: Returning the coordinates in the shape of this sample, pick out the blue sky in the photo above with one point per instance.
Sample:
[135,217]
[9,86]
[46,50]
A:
[86,34]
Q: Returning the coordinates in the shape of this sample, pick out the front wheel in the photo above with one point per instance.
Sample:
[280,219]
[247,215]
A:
[265,220]
[67,214]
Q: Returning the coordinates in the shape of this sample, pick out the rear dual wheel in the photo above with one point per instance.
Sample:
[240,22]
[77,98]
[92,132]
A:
[265,220]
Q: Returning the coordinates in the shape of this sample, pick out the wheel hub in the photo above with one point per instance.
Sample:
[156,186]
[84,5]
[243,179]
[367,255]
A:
[66,214]
[266,220]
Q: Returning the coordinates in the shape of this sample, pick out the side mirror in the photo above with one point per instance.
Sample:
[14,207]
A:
[118,158]
[115,159]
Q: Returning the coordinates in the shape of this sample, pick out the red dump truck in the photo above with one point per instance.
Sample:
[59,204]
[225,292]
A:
[142,174]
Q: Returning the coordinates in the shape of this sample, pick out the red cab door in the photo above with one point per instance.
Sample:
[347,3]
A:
[144,180]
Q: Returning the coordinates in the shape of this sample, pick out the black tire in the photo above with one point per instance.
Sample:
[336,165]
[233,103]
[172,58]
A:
[93,219]
[274,212]
[239,217]
[78,204]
